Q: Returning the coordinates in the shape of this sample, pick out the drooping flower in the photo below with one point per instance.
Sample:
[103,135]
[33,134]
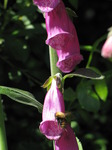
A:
[69,57]
[63,38]
[53,103]
[67,141]
[106,51]
[46,5]
[60,28]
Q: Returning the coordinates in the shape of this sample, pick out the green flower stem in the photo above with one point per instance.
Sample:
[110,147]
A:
[3,142]
[95,45]
[5,4]
[54,145]
[53,61]
[54,69]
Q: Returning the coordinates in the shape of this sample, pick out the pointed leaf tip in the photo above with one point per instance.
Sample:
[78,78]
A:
[21,96]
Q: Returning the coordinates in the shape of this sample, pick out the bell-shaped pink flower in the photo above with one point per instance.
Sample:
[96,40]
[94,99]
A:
[53,103]
[106,51]
[46,5]
[69,57]
[60,28]
[67,141]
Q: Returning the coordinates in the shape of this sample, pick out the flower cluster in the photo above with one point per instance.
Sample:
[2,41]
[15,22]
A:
[61,33]
[63,38]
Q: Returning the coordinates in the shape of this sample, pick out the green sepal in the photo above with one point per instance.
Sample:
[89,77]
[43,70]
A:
[57,77]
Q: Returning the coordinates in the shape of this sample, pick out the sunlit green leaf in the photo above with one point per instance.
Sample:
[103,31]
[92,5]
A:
[74,124]
[1,41]
[21,96]
[79,144]
[101,89]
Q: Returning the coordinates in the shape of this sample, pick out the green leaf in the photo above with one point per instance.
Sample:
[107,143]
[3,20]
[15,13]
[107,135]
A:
[102,143]
[74,3]
[88,99]
[74,124]
[86,47]
[21,96]
[108,74]
[69,94]
[101,89]
[85,73]
[16,48]
[79,144]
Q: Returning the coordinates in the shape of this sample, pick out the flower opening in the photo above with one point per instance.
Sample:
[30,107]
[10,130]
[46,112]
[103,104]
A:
[46,5]
[53,103]
[60,28]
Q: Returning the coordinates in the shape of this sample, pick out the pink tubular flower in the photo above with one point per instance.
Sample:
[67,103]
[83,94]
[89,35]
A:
[69,57]
[53,103]
[46,5]
[106,51]
[60,28]
[67,141]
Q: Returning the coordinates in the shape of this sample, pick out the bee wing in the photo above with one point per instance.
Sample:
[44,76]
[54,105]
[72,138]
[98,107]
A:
[68,116]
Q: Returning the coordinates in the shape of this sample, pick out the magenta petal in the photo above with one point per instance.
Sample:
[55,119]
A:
[53,103]
[51,129]
[67,65]
[60,28]
[67,141]
[69,57]
[59,40]
[107,48]
[46,5]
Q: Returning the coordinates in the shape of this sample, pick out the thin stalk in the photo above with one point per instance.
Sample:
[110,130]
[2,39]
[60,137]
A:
[88,48]
[95,45]
[3,141]
[5,4]
[54,145]
[53,61]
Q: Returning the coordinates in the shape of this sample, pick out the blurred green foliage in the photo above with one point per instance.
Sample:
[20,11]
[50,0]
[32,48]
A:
[24,64]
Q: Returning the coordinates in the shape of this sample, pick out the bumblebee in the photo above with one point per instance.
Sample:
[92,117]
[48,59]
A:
[62,119]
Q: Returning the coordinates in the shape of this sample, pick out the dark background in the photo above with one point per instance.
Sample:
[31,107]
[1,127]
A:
[24,64]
